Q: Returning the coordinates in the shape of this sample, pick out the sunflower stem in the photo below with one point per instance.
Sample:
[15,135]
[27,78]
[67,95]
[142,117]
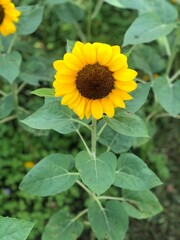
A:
[11,44]
[97,8]
[93,138]
[82,139]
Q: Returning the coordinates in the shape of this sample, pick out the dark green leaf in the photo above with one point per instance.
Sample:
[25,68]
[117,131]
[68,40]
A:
[115,141]
[127,124]
[98,174]
[62,226]
[110,222]
[133,174]
[141,204]
[9,66]
[6,106]
[146,28]
[52,2]
[139,97]
[30,19]
[168,94]
[69,13]
[12,228]
[50,176]
[52,116]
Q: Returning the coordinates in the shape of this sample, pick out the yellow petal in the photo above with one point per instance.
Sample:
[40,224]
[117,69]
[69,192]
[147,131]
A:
[63,88]
[88,109]
[60,66]
[89,53]
[78,44]
[128,86]
[118,63]
[79,54]
[125,75]
[124,95]
[64,78]
[116,49]
[72,62]
[104,53]
[116,99]
[96,109]
[69,98]
[108,107]
[79,109]
[75,102]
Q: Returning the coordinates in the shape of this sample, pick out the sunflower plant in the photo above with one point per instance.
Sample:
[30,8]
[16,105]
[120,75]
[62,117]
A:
[91,88]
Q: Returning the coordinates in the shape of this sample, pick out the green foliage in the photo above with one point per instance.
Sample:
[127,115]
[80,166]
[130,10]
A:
[141,204]
[62,226]
[92,170]
[12,228]
[110,222]
[133,174]
[127,124]
[6,106]
[10,64]
[50,176]
[162,88]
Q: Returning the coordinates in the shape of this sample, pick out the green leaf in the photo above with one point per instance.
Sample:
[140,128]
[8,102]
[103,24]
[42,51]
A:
[127,124]
[52,116]
[168,94]
[53,2]
[70,45]
[62,226]
[12,228]
[98,174]
[160,7]
[133,174]
[142,204]
[44,92]
[69,13]
[139,97]
[115,141]
[146,28]
[110,222]
[147,59]
[30,19]
[9,66]
[6,106]
[50,176]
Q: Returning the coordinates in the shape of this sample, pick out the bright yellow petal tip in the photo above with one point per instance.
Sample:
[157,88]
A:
[94,79]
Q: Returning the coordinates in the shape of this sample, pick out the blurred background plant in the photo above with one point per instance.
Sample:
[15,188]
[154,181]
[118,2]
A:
[26,64]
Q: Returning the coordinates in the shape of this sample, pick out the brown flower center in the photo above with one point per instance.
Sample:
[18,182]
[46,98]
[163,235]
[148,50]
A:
[94,81]
[2,13]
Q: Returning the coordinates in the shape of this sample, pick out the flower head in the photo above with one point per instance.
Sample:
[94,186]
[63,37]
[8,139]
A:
[94,79]
[8,15]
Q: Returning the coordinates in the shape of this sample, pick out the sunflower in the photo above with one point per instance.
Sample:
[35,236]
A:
[94,79]
[8,15]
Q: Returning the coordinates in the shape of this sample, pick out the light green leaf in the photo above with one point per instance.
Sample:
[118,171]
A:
[147,59]
[50,176]
[62,226]
[110,222]
[9,66]
[168,95]
[163,8]
[52,2]
[146,28]
[142,204]
[115,141]
[139,97]
[44,92]
[127,124]
[70,45]
[69,13]
[133,174]
[30,19]
[52,116]
[12,228]
[6,106]
[98,174]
